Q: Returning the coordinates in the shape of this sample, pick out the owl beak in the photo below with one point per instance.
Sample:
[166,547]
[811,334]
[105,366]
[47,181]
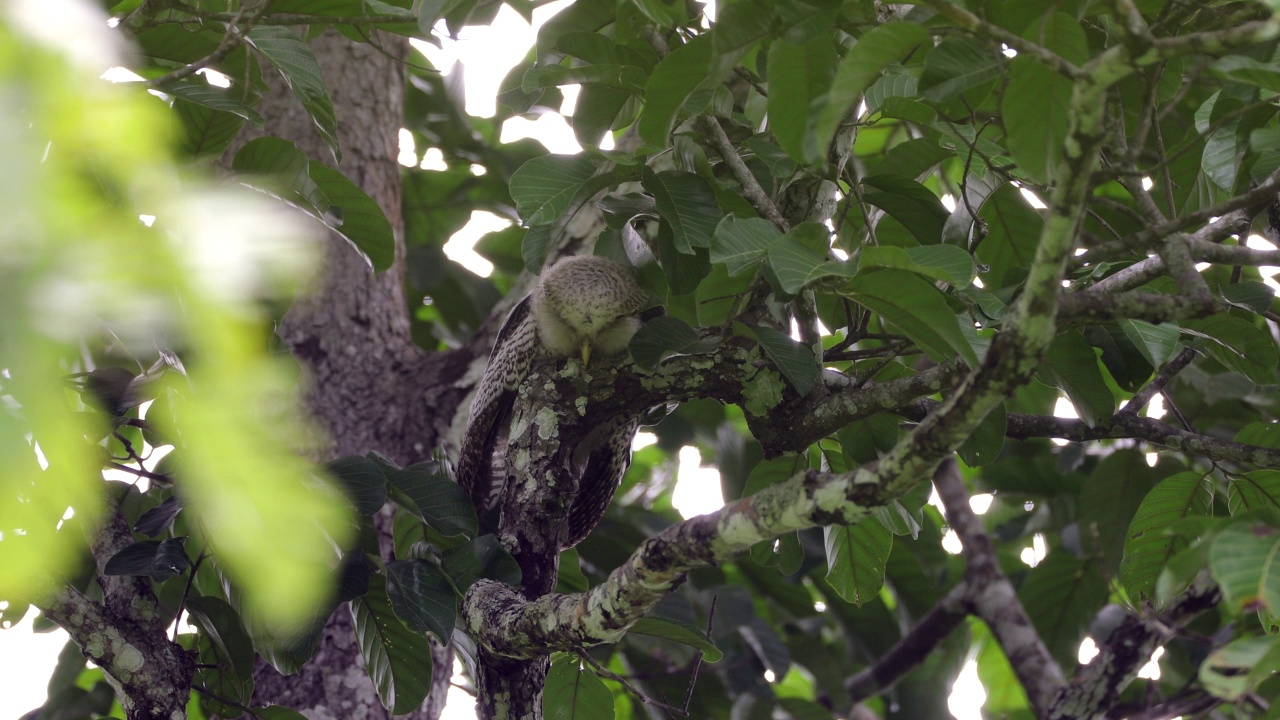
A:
[586,352]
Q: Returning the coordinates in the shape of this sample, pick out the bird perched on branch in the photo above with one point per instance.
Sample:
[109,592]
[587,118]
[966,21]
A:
[583,306]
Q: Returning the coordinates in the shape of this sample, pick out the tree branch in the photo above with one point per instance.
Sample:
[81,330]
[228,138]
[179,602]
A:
[1122,654]
[993,597]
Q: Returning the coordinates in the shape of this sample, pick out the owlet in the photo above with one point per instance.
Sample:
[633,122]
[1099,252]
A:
[583,306]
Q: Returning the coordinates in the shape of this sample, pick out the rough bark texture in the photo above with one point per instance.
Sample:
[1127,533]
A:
[368,386]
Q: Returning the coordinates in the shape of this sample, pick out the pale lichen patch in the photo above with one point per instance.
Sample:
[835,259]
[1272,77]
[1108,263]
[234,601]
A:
[130,659]
[547,422]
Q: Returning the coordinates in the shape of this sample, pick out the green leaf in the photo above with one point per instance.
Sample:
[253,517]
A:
[911,204]
[1258,490]
[1249,295]
[794,359]
[681,72]
[535,247]
[544,186]
[947,263]
[363,481]
[876,49]
[573,692]
[686,202]
[434,498]
[1157,343]
[397,659]
[205,132]
[956,65]
[1249,71]
[856,557]
[423,597]
[1062,595]
[201,93]
[286,51]
[1263,434]
[1244,561]
[285,167]
[220,622]
[916,307]
[679,632]
[1071,365]
[741,24]
[799,258]
[1013,233]
[984,445]
[1239,345]
[480,558]
[741,244]
[1221,155]
[160,560]
[1238,667]
[798,75]
[1036,116]
[362,221]
[1149,545]
[664,336]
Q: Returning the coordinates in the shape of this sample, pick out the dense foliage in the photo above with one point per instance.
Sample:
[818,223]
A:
[885,236]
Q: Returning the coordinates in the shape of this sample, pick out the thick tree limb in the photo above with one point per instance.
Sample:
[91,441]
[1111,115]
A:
[993,597]
[151,676]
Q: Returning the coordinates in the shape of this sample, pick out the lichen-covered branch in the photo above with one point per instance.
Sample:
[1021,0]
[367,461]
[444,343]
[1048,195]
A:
[151,675]
[1122,654]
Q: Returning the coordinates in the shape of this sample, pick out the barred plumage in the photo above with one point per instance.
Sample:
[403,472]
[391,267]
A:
[581,305]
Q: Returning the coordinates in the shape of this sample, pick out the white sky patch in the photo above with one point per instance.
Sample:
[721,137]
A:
[25,664]
[1258,242]
[1034,554]
[951,542]
[460,247]
[948,202]
[120,74]
[1063,409]
[981,503]
[967,694]
[1008,51]
[1147,183]
[458,704]
[1202,266]
[1088,651]
[1155,408]
[1151,671]
[697,488]
[570,93]
[215,78]
[487,52]
[842,255]
[433,159]
[408,156]
[478,169]
[977,282]
[551,129]
[643,440]
[1033,199]
[1152,459]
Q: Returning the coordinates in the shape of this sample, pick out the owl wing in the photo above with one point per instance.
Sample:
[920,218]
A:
[513,351]
[608,455]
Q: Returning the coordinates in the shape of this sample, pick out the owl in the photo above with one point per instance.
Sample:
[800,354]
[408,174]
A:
[583,306]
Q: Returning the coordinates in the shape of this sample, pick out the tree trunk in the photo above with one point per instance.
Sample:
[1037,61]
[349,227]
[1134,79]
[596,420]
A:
[367,386]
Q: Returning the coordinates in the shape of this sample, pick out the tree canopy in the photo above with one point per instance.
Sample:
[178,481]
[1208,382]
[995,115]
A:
[893,243]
